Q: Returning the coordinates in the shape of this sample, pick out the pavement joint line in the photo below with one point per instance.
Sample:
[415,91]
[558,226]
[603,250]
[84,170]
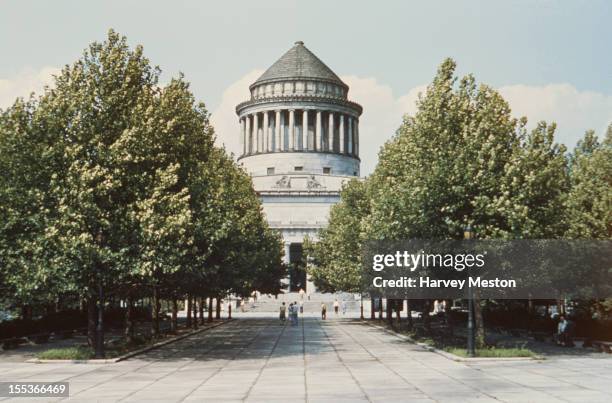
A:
[386,366]
[305,362]
[129,354]
[177,368]
[343,363]
[263,367]
[224,366]
[432,368]
[451,356]
[117,376]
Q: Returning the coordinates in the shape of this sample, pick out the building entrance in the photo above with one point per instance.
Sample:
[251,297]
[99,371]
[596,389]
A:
[297,269]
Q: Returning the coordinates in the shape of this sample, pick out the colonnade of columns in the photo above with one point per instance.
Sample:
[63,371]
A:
[299,130]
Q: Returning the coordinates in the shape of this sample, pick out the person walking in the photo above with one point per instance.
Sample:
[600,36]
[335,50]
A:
[336,306]
[283,312]
[295,313]
[323,311]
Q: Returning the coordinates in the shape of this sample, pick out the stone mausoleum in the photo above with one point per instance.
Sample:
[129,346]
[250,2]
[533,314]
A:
[300,141]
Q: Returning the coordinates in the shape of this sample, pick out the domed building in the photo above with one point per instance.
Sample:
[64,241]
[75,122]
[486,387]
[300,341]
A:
[300,142]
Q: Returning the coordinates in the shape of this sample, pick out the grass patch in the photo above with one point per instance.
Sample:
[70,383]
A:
[457,345]
[67,353]
[497,352]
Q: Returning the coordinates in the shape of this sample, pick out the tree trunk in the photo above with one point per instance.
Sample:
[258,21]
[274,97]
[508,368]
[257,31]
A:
[372,309]
[100,327]
[174,321]
[195,312]
[398,312]
[480,332]
[426,318]
[361,307]
[447,311]
[409,314]
[188,308]
[560,310]
[380,309]
[188,311]
[201,310]
[390,311]
[129,321]
[50,308]
[210,312]
[91,321]
[218,308]
[26,312]
[155,324]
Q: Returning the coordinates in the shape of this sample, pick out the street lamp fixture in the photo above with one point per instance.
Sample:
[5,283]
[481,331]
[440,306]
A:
[468,234]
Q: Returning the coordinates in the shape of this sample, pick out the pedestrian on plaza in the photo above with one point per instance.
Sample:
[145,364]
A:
[295,313]
[323,311]
[343,308]
[292,309]
[283,312]
[564,332]
[336,306]
[301,307]
[302,292]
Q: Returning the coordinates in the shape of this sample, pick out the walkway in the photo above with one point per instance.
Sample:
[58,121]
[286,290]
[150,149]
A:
[335,361]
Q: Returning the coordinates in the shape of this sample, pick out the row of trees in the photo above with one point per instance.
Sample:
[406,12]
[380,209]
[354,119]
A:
[463,159]
[112,187]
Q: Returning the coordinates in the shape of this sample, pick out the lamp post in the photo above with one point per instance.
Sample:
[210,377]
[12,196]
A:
[468,234]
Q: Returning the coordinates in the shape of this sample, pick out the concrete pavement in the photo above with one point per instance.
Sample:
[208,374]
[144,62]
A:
[259,360]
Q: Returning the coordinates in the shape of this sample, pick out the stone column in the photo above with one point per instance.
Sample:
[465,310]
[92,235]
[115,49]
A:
[266,130]
[305,129]
[249,140]
[330,134]
[350,136]
[356,137]
[256,132]
[287,258]
[341,128]
[243,143]
[319,133]
[291,129]
[277,129]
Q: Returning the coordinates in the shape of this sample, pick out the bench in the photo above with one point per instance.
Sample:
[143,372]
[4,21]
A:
[12,342]
[603,346]
[39,338]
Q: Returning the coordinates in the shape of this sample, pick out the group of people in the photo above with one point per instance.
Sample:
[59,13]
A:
[336,308]
[295,308]
[292,312]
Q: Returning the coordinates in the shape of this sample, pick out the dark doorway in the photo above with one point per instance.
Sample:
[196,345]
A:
[297,271]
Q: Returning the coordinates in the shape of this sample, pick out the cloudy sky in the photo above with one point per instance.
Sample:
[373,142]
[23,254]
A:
[551,59]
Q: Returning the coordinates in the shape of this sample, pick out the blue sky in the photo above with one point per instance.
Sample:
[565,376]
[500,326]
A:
[552,59]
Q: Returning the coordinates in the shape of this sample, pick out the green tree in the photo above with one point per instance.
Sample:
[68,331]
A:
[590,198]
[336,255]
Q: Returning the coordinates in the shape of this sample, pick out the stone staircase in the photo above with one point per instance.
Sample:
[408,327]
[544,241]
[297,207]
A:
[312,305]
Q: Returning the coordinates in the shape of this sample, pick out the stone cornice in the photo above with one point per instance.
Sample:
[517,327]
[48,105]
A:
[297,79]
[300,98]
[298,151]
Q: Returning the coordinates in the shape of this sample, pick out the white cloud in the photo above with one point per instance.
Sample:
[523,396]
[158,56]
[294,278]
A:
[224,118]
[25,82]
[574,111]
[382,115]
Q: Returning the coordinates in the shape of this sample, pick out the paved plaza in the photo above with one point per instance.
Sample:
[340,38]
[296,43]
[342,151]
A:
[259,360]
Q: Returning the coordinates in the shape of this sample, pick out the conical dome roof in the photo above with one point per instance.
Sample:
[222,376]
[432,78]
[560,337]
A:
[298,63]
